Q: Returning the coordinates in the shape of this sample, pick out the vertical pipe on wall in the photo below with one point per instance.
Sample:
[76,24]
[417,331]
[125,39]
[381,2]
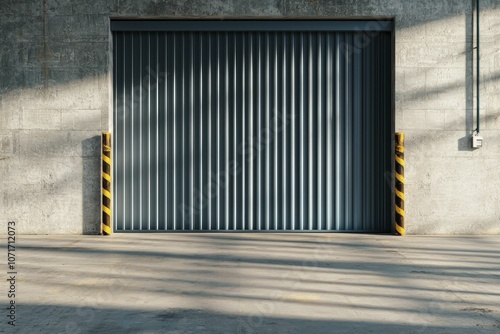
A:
[478,66]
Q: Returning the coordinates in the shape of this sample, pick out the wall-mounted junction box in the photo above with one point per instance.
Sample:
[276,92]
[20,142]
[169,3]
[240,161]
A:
[477,141]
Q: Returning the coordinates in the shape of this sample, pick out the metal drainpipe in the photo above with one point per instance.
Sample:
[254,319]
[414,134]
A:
[477,63]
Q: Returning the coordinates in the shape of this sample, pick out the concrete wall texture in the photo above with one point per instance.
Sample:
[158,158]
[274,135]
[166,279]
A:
[55,100]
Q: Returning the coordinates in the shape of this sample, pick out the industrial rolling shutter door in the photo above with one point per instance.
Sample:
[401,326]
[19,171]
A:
[234,128]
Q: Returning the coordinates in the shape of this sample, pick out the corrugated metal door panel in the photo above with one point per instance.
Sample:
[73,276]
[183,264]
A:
[258,131]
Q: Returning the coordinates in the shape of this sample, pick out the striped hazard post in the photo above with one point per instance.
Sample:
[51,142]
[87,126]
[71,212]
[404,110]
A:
[106,184]
[399,190]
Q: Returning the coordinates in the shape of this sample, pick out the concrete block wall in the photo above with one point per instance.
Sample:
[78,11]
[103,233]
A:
[55,101]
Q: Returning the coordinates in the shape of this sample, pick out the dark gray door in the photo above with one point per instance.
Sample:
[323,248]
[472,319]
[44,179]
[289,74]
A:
[252,126]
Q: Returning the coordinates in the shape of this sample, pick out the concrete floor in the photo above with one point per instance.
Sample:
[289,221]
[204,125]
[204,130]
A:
[257,283]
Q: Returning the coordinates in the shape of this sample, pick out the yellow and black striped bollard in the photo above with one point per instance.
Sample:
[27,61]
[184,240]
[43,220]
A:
[399,197]
[106,184]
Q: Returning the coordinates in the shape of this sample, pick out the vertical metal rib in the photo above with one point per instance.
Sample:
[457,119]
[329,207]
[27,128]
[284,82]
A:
[174,141]
[293,161]
[301,132]
[184,125]
[209,176]
[191,132]
[284,113]
[124,127]
[243,132]
[152,133]
[275,207]
[266,137]
[376,150]
[249,138]
[166,129]
[128,157]
[231,173]
[217,145]
[201,112]
[347,133]
[259,134]
[115,116]
[357,129]
[319,189]
[157,153]
[310,139]
[226,137]
[148,149]
[329,136]
[338,176]
[132,135]
[367,148]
